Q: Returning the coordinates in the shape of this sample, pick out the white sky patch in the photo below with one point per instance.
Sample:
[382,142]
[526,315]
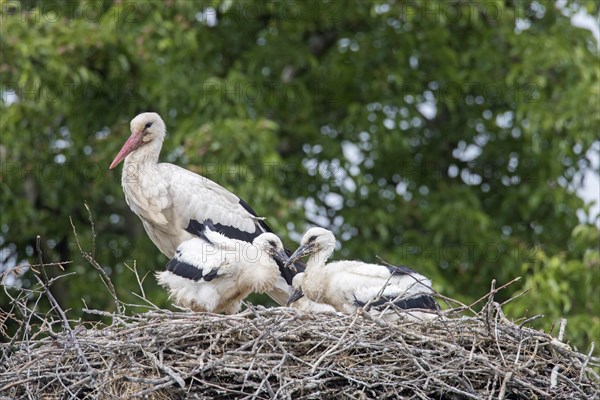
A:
[12,276]
[470,178]
[334,200]
[414,62]
[453,171]
[315,213]
[505,120]
[9,97]
[389,123]
[522,25]
[401,187]
[349,184]
[590,189]
[428,109]
[466,152]
[208,17]
[352,153]
[60,144]
[584,20]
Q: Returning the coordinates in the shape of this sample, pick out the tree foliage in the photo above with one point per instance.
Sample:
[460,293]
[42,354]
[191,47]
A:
[448,136]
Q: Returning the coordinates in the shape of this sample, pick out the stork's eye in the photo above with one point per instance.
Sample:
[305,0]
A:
[272,243]
[148,125]
[312,239]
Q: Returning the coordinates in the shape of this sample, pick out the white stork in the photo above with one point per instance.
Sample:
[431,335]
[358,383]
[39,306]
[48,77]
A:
[170,200]
[215,273]
[349,285]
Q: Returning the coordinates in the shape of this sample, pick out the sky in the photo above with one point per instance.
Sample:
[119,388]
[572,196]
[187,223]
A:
[590,190]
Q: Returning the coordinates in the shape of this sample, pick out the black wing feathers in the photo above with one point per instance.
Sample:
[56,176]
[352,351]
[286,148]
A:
[196,228]
[287,273]
[422,301]
[188,271]
[199,228]
[262,224]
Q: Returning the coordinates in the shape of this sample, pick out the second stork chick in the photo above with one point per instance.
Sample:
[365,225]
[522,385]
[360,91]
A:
[349,285]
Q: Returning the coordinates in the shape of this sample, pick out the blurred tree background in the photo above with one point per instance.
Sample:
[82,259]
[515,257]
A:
[448,136]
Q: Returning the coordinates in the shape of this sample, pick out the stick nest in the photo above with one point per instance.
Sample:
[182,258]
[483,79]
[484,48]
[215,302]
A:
[283,353]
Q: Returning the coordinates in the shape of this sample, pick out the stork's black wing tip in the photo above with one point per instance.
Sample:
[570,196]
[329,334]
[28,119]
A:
[200,228]
[208,224]
[184,270]
[188,271]
[422,301]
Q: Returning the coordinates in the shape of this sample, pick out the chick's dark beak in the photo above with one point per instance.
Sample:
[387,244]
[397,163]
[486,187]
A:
[296,295]
[280,256]
[300,252]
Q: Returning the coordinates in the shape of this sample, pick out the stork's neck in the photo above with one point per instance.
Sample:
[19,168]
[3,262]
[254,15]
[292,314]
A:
[315,274]
[145,155]
[317,260]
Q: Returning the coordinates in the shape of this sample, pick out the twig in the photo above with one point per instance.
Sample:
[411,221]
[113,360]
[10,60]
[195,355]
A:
[494,291]
[59,310]
[90,259]
[561,331]
[530,319]
[92,228]
[502,392]
[585,363]
[554,377]
[334,347]
[166,369]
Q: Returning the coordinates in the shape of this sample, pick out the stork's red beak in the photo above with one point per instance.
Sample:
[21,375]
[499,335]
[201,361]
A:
[134,141]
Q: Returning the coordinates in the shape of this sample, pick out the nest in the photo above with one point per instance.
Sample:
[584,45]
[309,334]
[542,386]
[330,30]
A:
[283,353]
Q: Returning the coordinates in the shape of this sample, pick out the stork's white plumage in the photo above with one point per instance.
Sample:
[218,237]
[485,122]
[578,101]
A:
[300,302]
[349,285]
[169,199]
[215,273]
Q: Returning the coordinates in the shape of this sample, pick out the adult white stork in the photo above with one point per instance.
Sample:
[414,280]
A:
[349,285]
[215,273]
[171,200]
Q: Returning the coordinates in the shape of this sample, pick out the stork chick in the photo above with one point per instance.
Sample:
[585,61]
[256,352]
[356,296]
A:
[349,285]
[215,273]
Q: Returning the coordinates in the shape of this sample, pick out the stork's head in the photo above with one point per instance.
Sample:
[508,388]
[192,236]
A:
[145,128]
[315,241]
[271,245]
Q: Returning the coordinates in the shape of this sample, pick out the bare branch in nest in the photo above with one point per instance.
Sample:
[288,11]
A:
[90,259]
[92,228]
